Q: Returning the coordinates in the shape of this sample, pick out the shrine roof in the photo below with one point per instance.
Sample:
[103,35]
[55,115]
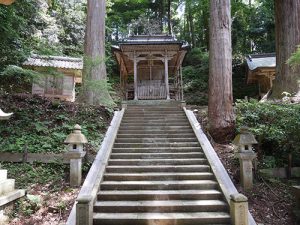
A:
[55,62]
[150,40]
[261,61]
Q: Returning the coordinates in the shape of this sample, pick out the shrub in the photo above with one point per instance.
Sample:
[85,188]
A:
[195,77]
[277,127]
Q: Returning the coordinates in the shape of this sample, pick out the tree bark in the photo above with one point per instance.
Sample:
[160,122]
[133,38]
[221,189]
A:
[95,90]
[220,109]
[169,17]
[287,39]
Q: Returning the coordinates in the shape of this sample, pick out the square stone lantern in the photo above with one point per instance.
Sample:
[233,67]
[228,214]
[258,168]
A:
[75,142]
[244,141]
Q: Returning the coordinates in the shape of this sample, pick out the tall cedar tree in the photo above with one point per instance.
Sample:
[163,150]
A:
[287,39]
[95,90]
[220,109]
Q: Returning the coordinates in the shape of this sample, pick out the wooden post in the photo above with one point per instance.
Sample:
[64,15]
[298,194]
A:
[135,77]
[181,83]
[167,76]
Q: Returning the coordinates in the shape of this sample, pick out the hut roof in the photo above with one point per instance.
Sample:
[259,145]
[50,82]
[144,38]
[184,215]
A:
[261,61]
[55,62]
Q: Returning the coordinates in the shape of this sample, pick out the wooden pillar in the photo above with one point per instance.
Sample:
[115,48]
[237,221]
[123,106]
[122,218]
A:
[135,77]
[181,83]
[167,76]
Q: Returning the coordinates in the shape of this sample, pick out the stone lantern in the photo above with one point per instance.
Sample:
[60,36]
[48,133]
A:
[75,142]
[244,142]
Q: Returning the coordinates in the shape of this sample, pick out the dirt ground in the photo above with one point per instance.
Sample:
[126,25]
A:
[51,208]
[270,201]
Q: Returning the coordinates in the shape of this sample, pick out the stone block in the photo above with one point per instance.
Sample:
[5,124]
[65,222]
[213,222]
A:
[7,186]
[11,196]
[3,175]
[239,209]
[296,192]
[84,210]
[246,167]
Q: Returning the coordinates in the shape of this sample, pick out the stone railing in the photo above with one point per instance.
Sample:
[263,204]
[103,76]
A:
[237,202]
[82,211]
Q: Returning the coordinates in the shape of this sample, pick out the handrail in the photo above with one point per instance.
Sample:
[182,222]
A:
[91,184]
[226,185]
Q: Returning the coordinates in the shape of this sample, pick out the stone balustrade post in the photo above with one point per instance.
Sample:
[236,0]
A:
[84,210]
[296,192]
[239,209]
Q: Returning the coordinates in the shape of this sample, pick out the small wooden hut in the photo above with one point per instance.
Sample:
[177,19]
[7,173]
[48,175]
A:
[150,67]
[64,73]
[261,70]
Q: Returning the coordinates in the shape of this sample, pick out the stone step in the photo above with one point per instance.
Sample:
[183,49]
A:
[153,117]
[178,135]
[158,124]
[139,195]
[3,175]
[160,206]
[156,155]
[157,150]
[198,218]
[159,185]
[161,119]
[157,176]
[7,186]
[156,132]
[155,140]
[11,196]
[153,110]
[148,162]
[161,127]
[154,169]
[157,144]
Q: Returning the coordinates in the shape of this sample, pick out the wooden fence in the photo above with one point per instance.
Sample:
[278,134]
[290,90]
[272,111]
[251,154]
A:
[39,157]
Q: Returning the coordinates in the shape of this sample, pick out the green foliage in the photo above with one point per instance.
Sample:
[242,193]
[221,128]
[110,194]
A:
[19,80]
[195,77]
[43,125]
[276,126]
[239,80]
[16,79]
[15,31]
[294,60]
[37,173]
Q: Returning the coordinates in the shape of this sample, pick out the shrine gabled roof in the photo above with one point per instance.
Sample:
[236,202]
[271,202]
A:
[261,61]
[55,62]
[150,40]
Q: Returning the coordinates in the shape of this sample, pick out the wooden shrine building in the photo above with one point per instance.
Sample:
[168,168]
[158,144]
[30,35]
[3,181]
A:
[150,67]
[59,75]
[261,70]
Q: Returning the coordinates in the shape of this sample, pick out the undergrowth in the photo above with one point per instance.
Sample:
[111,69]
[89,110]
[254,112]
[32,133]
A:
[40,125]
[276,126]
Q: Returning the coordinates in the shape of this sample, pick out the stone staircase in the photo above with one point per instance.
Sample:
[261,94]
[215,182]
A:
[157,173]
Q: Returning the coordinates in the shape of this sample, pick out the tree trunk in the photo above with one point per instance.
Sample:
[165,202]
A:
[220,109]
[95,89]
[169,17]
[287,39]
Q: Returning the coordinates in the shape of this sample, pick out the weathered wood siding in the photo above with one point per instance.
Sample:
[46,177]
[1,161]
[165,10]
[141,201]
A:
[151,89]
